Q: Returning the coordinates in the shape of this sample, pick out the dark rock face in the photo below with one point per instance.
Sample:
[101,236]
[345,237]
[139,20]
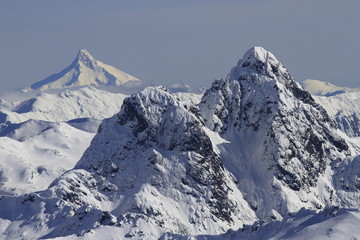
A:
[131,114]
[219,103]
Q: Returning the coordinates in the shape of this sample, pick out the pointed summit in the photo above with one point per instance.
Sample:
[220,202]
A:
[85,57]
[85,70]
[260,61]
[258,53]
[279,137]
[84,52]
[260,68]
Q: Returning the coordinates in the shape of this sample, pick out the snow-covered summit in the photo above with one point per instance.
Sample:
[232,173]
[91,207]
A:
[258,61]
[258,53]
[85,57]
[85,70]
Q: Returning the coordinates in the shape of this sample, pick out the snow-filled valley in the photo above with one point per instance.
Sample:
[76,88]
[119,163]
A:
[255,156]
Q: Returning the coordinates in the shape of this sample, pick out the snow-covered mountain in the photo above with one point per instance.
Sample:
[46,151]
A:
[320,88]
[85,70]
[256,147]
[281,142]
[155,166]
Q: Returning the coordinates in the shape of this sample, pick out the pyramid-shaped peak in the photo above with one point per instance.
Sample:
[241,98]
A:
[85,70]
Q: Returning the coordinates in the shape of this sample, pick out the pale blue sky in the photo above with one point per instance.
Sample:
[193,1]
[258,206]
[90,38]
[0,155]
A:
[169,41]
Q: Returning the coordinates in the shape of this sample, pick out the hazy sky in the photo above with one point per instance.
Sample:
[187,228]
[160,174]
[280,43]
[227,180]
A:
[193,41]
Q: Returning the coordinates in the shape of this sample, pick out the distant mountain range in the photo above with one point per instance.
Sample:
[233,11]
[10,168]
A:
[320,88]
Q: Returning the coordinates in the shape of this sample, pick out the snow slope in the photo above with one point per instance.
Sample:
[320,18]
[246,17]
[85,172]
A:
[85,70]
[87,102]
[320,88]
[42,136]
[345,110]
[342,104]
[45,151]
[45,135]
[331,223]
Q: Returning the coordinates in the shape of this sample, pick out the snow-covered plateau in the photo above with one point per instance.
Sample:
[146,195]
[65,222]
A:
[253,157]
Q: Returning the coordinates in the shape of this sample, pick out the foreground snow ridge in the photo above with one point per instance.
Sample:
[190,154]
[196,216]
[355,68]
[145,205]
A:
[256,156]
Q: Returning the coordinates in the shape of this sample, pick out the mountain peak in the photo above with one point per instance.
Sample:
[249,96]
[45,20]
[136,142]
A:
[258,53]
[260,70]
[260,61]
[85,70]
[84,51]
[84,54]
[85,58]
